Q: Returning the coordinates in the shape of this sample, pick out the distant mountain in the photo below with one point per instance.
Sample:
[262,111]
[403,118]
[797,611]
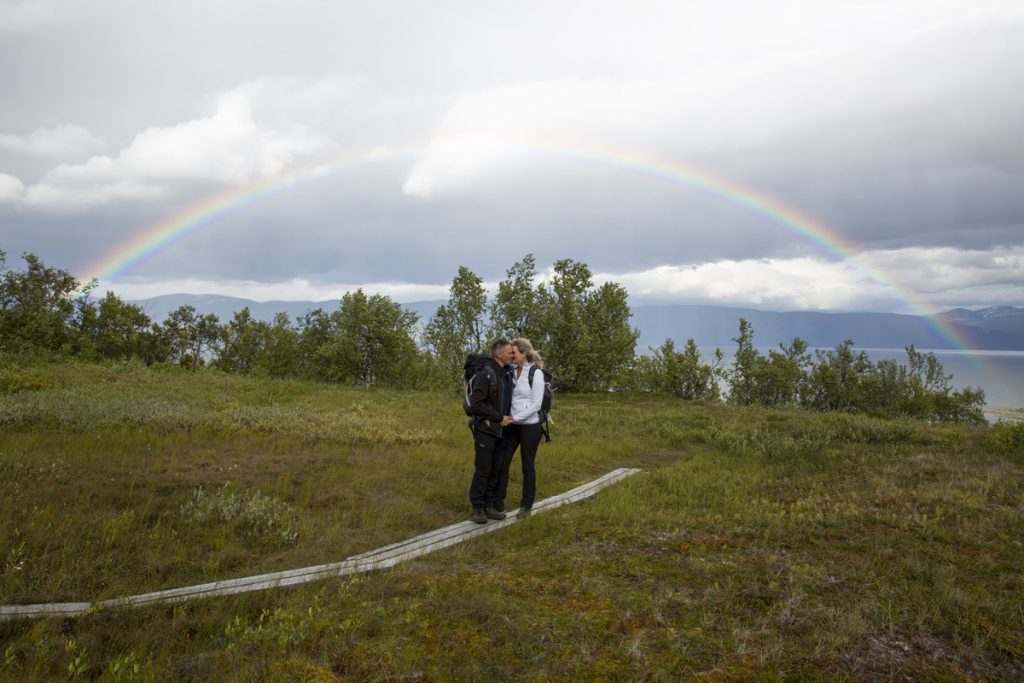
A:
[1002,318]
[997,328]
[225,307]
[717,325]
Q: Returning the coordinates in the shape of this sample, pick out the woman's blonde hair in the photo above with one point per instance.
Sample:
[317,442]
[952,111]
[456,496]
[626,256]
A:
[524,345]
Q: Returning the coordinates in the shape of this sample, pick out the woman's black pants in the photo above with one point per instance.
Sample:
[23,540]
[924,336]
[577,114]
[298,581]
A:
[526,438]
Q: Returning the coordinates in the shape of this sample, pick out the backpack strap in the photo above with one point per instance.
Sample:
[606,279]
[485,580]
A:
[544,428]
[492,379]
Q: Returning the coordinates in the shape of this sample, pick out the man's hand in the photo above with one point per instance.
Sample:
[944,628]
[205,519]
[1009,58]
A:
[506,421]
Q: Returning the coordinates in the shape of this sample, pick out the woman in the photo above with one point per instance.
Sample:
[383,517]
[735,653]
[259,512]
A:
[525,430]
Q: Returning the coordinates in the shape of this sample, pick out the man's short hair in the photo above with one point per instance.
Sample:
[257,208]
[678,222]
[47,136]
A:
[498,345]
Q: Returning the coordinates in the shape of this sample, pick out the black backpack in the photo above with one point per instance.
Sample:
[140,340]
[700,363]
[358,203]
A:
[545,404]
[475,362]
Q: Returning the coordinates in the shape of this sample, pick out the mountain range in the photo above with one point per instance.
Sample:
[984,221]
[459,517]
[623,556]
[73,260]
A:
[993,328]
[1005,318]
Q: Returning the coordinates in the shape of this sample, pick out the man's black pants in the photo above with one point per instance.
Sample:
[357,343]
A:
[488,464]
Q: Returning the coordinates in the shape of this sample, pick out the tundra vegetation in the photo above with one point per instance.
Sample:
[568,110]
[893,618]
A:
[788,531]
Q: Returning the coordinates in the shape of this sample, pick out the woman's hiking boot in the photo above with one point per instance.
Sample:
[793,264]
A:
[479,516]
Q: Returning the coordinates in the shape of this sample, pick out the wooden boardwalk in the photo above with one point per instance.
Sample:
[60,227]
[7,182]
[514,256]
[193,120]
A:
[388,556]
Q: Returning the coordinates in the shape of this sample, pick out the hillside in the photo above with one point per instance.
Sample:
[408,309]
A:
[717,325]
[1001,318]
[755,545]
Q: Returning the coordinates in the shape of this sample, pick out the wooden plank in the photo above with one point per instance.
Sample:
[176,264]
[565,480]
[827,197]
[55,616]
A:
[381,558]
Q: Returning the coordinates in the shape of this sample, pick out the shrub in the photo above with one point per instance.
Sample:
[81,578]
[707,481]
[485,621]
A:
[252,515]
[1005,437]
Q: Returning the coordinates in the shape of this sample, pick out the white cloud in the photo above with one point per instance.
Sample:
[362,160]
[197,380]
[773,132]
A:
[61,142]
[21,15]
[228,146]
[67,195]
[908,279]
[778,284]
[252,131]
[11,188]
[499,128]
[778,110]
[944,275]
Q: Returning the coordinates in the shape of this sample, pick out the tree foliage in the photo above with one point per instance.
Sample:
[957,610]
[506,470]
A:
[843,379]
[113,329]
[778,379]
[371,341]
[581,329]
[38,308]
[457,328]
[584,330]
[515,310]
[243,343]
[189,339]
[280,357]
[315,330]
[251,346]
[681,373]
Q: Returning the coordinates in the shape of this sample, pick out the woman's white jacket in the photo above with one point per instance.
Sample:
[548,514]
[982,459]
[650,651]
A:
[526,400]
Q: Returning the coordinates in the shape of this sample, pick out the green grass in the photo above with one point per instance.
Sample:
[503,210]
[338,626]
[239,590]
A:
[757,544]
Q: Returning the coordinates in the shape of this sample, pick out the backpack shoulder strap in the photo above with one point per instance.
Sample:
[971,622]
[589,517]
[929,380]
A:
[533,369]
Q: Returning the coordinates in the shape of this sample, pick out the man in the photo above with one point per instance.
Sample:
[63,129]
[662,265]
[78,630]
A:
[490,408]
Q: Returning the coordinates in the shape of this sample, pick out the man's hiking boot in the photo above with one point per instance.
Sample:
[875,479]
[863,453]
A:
[494,514]
[523,513]
[479,516]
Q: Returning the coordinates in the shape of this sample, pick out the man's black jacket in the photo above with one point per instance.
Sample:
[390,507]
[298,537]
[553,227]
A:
[490,399]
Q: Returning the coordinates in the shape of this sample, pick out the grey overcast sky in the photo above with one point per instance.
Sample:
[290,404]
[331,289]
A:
[483,131]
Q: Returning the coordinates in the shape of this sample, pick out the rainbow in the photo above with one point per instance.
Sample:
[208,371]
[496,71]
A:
[179,226]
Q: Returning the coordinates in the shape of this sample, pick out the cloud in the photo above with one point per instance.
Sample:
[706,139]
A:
[252,131]
[902,279]
[11,188]
[944,274]
[779,284]
[22,15]
[893,124]
[61,142]
[915,108]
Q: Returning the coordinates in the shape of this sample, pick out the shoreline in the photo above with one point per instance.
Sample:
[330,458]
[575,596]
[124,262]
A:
[1005,413]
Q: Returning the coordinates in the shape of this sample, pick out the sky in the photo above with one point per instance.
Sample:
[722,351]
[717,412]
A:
[791,155]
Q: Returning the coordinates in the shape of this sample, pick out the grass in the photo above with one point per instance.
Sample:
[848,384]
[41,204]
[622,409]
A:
[757,544]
